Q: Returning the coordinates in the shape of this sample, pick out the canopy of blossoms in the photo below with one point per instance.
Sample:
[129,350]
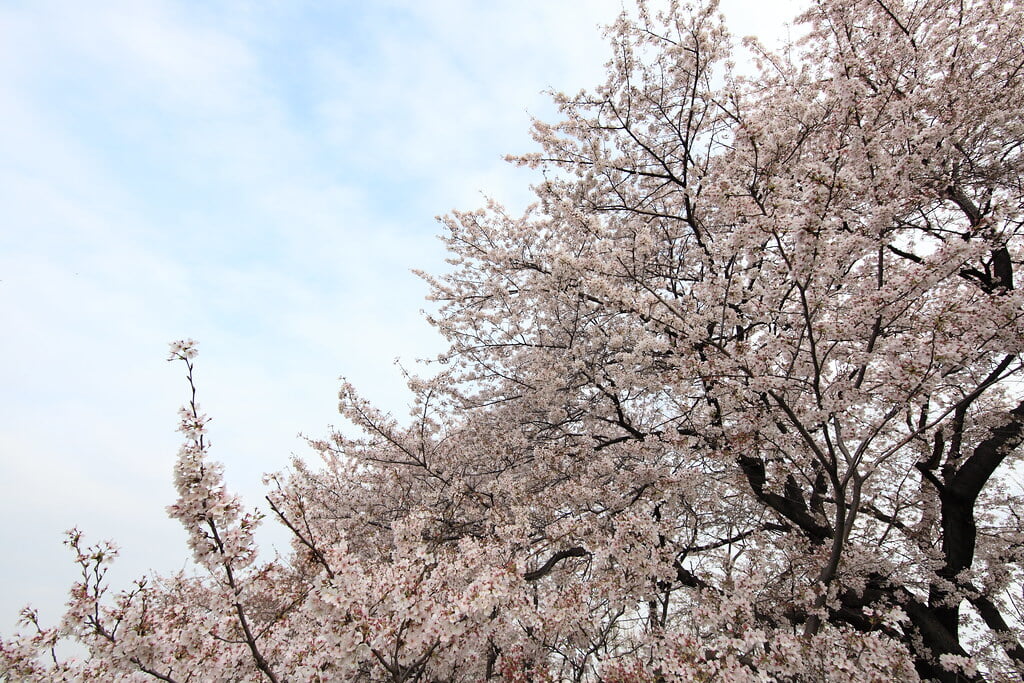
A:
[737,399]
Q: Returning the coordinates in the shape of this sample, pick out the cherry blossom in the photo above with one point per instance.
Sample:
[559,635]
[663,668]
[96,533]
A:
[737,399]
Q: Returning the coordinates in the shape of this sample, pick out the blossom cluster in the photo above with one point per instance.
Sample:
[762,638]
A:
[737,399]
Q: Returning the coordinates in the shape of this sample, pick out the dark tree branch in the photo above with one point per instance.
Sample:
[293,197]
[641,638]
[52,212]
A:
[972,476]
[795,510]
[993,618]
[546,568]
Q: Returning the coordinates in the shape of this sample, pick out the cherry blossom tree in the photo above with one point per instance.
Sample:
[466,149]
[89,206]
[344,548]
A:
[737,399]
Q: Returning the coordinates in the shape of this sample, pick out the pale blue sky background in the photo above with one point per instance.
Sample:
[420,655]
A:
[260,176]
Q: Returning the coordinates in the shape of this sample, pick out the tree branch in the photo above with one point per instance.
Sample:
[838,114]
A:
[546,568]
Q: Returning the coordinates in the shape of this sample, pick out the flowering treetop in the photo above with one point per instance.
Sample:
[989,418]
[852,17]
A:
[736,399]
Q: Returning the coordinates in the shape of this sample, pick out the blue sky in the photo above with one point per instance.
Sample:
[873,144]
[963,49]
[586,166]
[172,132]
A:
[260,176]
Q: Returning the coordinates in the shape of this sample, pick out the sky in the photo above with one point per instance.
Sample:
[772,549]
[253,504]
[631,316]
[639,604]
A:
[261,177]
